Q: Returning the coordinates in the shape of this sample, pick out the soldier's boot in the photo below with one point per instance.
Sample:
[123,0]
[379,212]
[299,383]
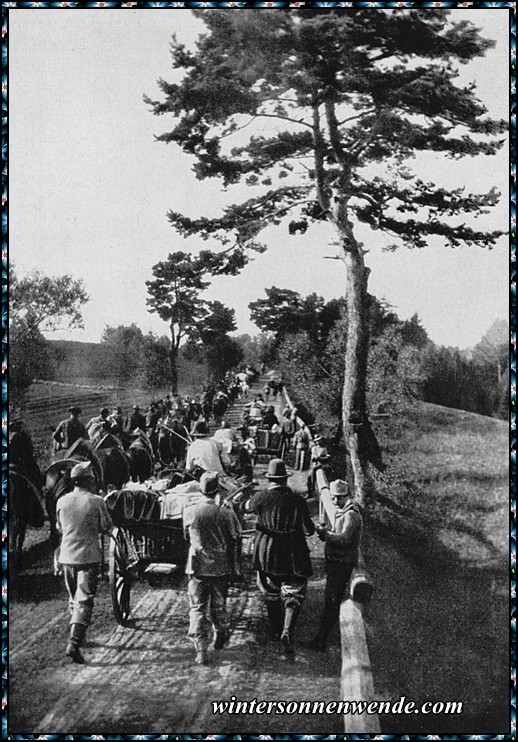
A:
[274,609]
[222,638]
[290,619]
[77,635]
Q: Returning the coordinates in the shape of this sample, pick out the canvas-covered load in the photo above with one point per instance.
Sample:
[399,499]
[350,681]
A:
[133,505]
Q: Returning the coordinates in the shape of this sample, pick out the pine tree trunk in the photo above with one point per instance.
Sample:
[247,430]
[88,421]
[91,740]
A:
[173,361]
[354,411]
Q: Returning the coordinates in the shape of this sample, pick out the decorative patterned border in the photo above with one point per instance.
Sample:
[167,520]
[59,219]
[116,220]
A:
[512,399]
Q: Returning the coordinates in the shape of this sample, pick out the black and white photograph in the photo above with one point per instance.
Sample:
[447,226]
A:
[258,369]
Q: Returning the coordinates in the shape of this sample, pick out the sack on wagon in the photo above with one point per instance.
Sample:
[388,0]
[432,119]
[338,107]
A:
[175,500]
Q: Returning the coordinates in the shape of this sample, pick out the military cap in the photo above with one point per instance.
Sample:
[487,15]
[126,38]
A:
[209,483]
[84,469]
[339,488]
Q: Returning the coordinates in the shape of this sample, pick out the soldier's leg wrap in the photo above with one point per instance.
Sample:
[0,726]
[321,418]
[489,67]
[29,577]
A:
[293,593]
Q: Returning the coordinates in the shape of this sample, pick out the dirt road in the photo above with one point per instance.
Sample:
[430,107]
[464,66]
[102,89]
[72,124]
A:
[141,678]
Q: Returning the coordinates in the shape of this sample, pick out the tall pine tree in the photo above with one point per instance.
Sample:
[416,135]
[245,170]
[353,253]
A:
[352,96]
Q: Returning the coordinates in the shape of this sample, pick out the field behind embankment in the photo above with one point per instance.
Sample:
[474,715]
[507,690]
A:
[48,402]
[437,546]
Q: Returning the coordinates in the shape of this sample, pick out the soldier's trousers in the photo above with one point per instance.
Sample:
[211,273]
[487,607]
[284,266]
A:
[81,583]
[207,605]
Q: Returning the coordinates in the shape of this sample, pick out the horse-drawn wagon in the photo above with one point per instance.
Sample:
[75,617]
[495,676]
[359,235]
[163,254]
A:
[269,443]
[148,541]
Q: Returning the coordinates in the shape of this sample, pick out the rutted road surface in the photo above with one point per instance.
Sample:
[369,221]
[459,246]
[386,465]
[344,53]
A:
[141,678]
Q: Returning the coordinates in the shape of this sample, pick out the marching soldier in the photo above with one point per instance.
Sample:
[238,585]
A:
[81,517]
[214,534]
[281,554]
[70,430]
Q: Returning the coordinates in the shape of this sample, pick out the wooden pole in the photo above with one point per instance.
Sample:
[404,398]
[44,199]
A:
[356,682]
[356,679]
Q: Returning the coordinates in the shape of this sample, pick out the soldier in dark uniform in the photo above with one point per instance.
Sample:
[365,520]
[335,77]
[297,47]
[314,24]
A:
[270,419]
[69,430]
[151,420]
[281,554]
[135,420]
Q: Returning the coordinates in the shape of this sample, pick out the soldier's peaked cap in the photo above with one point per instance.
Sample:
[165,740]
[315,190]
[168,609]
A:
[74,409]
[84,469]
[209,483]
[338,488]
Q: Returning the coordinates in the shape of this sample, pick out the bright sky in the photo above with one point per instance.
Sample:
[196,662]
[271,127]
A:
[89,187]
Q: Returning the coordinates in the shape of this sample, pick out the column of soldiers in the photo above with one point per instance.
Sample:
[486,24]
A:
[281,555]
[281,558]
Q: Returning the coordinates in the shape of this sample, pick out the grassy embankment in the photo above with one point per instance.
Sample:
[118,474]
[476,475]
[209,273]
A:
[437,546]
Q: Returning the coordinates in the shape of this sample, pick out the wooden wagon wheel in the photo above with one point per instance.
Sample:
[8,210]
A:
[120,579]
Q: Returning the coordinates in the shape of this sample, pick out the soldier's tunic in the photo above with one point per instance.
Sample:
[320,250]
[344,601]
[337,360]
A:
[81,517]
[281,554]
[69,431]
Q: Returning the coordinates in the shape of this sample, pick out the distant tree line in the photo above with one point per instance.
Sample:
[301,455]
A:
[307,337]
[477,380]
[304,336]
[127,357]
[40,304]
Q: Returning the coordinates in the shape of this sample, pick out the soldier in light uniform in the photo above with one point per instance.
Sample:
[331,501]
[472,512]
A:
[81,517]
[214,535]
[342,543]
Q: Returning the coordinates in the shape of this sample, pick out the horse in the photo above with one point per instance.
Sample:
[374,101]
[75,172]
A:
[25,510]
[173,439]
[219,407]
[115,465]
[83,450]
[140,457]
